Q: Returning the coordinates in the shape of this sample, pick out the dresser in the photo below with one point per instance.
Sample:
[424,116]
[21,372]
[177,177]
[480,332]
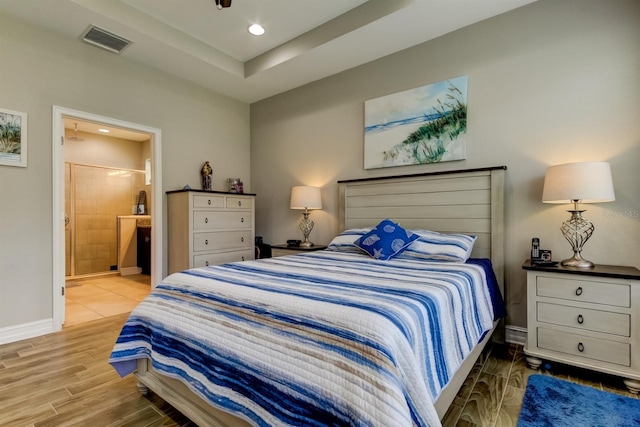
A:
[208,227]
[585,317]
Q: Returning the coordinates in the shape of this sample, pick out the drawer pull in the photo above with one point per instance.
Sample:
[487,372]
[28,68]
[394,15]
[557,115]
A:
[206,263]
[580,319]
[206,220]
[240,204]
[206,241]
[580,347]
[209,201]
[579,291]
[243,258]
[241,219]
[242,239]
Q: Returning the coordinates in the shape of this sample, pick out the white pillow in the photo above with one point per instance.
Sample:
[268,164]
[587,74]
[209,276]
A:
[434,246]
[345,241]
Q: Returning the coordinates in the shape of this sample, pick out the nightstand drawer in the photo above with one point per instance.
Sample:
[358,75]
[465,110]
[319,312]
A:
[588,347]
[583,318]
[275,252]
[585,291]
[221,240]
[284,250]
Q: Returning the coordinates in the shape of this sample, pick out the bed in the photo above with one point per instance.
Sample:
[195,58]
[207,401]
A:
[333,355]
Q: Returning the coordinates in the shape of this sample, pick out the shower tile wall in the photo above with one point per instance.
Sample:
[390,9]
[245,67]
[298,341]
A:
[100,195]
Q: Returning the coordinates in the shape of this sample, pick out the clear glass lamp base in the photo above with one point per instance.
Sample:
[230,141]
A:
[306,225]
[577,231]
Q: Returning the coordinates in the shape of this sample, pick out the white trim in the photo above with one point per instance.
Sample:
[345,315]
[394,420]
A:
[515,335]
[59,113]
[128,271]
[25,331]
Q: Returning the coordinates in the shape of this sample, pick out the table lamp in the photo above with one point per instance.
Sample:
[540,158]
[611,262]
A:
[584,182]
[307,198]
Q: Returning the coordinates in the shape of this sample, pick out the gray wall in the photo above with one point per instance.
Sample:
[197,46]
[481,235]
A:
[40,69]
[552,82]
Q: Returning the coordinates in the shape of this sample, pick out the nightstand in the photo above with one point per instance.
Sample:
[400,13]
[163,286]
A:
[585,317]
[282,250]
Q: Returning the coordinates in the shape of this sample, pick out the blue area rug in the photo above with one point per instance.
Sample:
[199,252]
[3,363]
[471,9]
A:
[551,402]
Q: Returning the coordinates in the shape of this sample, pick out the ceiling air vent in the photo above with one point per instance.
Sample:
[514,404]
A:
[104,39]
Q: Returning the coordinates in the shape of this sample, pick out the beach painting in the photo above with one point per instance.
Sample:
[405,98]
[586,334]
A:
[13,138]
[418,126]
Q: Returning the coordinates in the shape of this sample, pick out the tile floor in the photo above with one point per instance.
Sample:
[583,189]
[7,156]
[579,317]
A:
[96,298]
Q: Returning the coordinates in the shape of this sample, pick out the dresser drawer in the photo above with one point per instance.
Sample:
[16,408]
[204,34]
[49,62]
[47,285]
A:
[222,240]
[239,202]
[582,318]
[585,291]
[201,201]
[222,258]
[588,347]
[221,220]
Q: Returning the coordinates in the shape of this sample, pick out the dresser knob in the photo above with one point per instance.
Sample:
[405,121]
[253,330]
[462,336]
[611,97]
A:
[209,201]
[241,219]
[579,291]
[206,241]
[242,239]
[243,258]
[580,319]
[580,347]
[240,204]
[206,263]
[206,220]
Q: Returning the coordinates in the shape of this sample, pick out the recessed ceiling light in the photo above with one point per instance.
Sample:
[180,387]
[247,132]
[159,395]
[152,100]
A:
[256,30]
[103,130]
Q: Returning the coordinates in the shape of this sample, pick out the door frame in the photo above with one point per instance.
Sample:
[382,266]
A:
[58,211]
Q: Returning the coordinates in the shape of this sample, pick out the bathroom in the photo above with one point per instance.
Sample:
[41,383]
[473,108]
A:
[107,200]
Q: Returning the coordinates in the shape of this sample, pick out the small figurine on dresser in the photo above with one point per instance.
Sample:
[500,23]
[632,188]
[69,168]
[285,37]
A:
[206,172]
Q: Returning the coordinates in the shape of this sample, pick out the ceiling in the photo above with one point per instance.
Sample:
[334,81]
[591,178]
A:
[305,40]
[77,127]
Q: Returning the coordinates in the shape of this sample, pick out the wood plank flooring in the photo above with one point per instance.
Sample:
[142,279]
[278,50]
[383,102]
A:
[64,379]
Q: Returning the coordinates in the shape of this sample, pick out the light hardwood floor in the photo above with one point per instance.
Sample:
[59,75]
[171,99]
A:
[64,379]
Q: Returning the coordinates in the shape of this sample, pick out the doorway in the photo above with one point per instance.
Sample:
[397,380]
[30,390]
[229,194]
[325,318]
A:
[64,264]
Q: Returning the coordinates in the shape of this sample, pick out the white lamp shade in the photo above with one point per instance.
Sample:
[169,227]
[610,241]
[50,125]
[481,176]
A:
[588,182]
[305,197]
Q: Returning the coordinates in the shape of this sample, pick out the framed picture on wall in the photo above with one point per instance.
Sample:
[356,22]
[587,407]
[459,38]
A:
[427,124]
[13,138]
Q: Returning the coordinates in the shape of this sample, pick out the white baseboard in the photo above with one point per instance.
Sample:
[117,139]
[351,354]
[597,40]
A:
[26,330]
[128,271]
[515,335]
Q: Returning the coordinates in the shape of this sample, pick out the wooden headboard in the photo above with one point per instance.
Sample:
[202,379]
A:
[462,201]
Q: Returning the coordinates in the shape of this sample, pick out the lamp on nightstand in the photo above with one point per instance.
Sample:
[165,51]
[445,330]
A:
[307,198]
[585,182]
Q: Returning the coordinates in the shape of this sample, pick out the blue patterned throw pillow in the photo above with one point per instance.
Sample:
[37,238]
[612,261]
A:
[386,240]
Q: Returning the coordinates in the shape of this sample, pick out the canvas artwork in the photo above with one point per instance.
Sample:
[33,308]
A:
[13,138]
[422,125]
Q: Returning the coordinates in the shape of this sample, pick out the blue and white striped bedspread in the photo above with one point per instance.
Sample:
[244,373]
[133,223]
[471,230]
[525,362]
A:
[323,338]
